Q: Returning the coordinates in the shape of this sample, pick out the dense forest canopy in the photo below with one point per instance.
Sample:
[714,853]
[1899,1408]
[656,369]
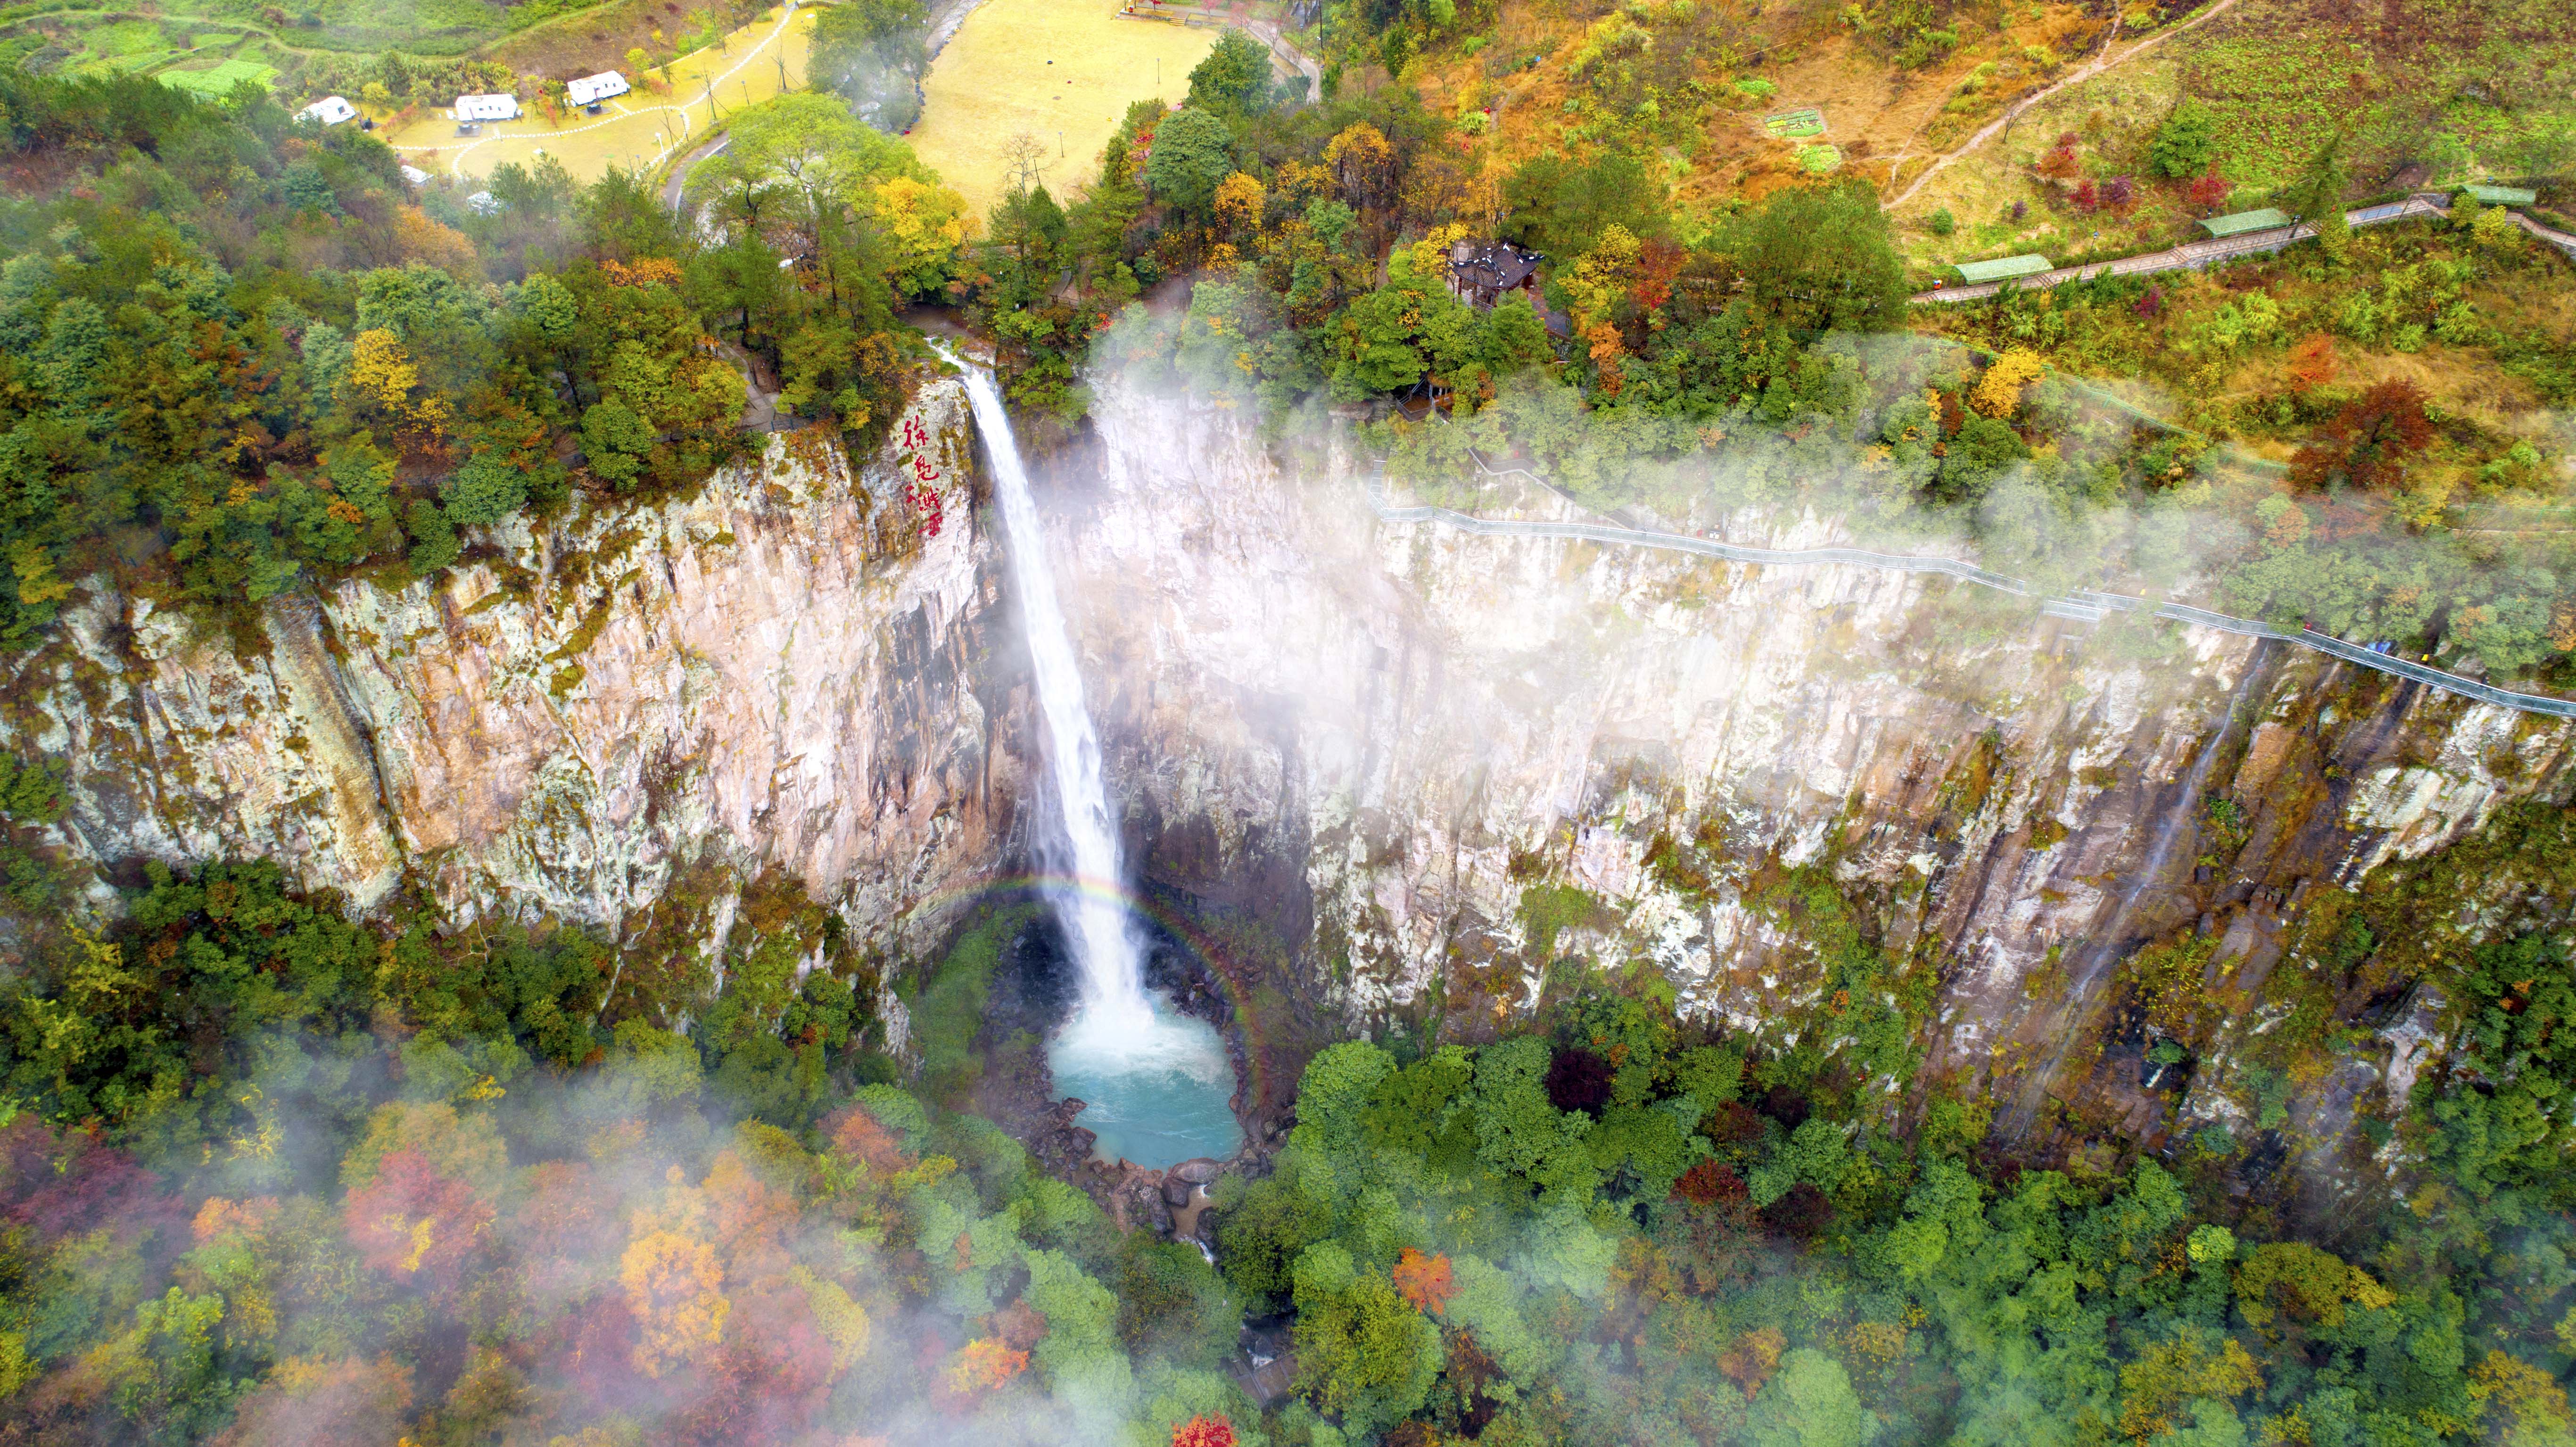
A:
[273,1176]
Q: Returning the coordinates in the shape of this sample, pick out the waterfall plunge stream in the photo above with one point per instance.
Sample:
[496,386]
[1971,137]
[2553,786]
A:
[1156,1081]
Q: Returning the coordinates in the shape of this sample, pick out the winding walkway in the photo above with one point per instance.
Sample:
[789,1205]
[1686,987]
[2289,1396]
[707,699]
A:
[2195,254]
[2079,606]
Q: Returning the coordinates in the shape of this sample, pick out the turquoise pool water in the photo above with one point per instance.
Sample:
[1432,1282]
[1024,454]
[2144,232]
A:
[1156,1092]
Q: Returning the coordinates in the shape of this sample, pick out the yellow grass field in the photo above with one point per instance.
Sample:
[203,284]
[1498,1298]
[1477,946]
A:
[636,129]
[994,80]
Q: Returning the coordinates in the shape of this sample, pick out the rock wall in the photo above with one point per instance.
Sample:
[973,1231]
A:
[1375,741]
[1416,726]
[783,671]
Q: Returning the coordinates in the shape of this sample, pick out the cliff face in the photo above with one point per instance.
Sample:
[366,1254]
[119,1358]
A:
[1404,751]
[1423,737]
[779,672]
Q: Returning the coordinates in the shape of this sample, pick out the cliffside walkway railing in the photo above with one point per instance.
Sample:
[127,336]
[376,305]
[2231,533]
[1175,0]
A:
[2080,606]
[2192,255]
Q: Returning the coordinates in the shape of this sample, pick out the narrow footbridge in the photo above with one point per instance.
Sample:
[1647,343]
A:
[2079,606]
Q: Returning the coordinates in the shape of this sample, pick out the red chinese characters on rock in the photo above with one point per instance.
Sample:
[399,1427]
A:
[922,491]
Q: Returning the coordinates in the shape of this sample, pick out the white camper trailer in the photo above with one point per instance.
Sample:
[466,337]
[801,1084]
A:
[487,108]
[330,110]
[592,89]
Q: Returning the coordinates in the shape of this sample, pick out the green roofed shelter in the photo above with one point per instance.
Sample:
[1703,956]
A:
[2486,195]
[2238,223]
[2010,266]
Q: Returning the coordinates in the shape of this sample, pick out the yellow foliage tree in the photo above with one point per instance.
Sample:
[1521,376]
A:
[381,373]
[674,1286]
[2524,1403]
[1363,164]
[1602,275]
[441,245]
[2309,1284]
[984,1364]
[2165,1376]
[842,1321]
[1239,203]
[1998,393]
[924,226]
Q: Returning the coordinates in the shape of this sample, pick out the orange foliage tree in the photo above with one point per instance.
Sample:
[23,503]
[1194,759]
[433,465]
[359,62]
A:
[985,1364]
[2312,362]
[1204,1432]
[1425,1281]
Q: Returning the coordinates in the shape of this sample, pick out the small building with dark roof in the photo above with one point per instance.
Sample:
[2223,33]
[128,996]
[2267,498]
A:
[1482,273]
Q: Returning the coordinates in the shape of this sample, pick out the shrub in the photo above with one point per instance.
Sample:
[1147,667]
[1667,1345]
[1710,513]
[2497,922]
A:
[2186,144]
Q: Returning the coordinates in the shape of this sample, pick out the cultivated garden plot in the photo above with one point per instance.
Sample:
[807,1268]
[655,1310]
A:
[669,106]
[1062,72]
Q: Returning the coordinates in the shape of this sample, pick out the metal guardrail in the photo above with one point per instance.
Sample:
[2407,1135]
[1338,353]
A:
[2080,606]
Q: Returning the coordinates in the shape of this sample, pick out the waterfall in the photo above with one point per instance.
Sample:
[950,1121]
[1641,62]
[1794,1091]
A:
[1088,887]
[1155,1079]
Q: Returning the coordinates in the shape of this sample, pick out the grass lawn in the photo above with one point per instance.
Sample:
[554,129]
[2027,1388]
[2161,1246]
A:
[637,128]
[219,80]
[995,80]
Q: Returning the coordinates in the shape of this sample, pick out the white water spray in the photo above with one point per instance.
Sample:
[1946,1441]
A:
[1146,1072]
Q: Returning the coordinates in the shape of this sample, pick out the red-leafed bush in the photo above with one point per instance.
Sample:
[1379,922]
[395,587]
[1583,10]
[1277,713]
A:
[2368,440]
[413,1223]
[1204,1432]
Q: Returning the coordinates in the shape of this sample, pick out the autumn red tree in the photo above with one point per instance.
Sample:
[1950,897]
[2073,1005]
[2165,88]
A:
[2368,440]
[1577,1079]
[2210,190]
[413,1223]
[2312,362]
[1204,1432]
[2059,163]
[1710,1183]
[1658,264]
[1425,1281]
[857,1136]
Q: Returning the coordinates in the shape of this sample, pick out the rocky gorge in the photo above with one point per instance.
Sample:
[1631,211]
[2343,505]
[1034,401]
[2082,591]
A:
[1381,776]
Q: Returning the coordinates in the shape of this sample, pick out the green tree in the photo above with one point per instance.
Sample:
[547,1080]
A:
[1234,79]
[1809,1403]
[1362,1352]
[1819,258]
[1193,151]
[1561,206]
[616,441]
[2187,141]
[484,491]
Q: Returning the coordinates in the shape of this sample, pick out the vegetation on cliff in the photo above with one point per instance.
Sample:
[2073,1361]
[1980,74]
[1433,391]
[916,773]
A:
[243,352]
[273,1175]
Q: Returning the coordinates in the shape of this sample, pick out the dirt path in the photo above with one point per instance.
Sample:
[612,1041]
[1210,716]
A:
[2077,76]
